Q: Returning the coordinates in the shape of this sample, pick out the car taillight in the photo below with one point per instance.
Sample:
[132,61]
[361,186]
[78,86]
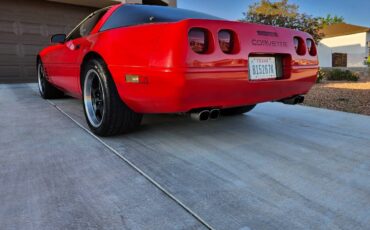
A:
[198,40]
[311,47]
[309,44]
[299,46]
[226,40]
[296,43]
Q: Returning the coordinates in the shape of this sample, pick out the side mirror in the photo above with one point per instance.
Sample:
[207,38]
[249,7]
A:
[58,38]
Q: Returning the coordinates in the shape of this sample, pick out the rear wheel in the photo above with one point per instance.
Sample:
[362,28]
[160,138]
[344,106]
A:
[47,90]
[237,110]
[106,114]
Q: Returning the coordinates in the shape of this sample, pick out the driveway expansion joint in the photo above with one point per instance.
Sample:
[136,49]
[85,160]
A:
[132,165]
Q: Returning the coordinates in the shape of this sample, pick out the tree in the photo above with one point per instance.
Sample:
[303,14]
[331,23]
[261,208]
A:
[330,20]
[283,14]
[282,8]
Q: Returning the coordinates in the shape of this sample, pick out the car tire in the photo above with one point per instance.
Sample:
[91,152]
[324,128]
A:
[47,90]
[237,110]
[105,112]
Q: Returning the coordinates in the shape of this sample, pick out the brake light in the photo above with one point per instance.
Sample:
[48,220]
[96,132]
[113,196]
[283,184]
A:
[198,40]
[311,47]
[299,46]
[226,39]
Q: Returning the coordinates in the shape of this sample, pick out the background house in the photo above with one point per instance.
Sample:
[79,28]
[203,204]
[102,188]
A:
[344,45]
[26,27]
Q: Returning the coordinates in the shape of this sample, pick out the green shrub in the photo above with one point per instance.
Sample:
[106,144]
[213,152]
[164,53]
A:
[367,62]
[320,76]
[341,75]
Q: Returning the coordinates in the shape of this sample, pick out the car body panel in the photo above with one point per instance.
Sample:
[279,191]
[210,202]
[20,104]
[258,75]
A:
[178,79]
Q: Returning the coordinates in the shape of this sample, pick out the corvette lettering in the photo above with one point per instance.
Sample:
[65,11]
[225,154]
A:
[258,42]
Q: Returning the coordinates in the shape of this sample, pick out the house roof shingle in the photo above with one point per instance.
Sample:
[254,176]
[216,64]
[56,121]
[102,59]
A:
[341,29]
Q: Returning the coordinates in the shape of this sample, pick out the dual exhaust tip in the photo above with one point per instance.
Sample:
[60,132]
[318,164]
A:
[206,115]
[293,100]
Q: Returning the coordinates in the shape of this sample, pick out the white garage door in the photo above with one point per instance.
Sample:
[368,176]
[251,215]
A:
[25,28]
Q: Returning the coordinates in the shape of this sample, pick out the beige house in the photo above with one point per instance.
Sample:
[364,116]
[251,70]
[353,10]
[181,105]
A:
[26,27]
[344,45]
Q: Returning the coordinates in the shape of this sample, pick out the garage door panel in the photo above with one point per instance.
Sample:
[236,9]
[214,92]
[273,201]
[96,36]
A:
[56,29]
[9,49]
[30,72]
[6,11]
[35,39]
[31,49]
[7,26]
[29,61]
[16,74]
[9,60]
[25,28]
[10,72]
[30,28]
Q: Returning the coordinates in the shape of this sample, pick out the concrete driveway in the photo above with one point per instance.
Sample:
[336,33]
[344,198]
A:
[279,167]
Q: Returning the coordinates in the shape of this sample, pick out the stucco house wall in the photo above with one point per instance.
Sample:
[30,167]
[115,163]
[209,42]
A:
[325,55]
[354,45]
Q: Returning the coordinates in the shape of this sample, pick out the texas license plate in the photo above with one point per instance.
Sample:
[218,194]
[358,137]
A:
[262,68]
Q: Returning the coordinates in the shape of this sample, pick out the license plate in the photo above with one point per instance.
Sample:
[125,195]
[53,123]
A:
[262,68]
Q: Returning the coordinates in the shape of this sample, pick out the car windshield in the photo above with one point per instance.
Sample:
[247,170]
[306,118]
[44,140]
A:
[130,15]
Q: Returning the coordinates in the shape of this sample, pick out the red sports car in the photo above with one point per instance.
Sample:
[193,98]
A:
[128,60]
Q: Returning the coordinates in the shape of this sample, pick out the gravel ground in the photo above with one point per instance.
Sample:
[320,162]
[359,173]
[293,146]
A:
[341,96]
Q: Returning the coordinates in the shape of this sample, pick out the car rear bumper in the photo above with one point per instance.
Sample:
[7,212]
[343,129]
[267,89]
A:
[169,91]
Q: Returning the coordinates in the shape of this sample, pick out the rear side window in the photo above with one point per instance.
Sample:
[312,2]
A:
[90,23]
[87,25]
[131,15]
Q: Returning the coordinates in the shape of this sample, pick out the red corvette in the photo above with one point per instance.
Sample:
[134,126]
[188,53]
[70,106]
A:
[128,60]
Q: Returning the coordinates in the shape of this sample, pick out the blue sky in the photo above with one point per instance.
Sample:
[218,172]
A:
[354,11]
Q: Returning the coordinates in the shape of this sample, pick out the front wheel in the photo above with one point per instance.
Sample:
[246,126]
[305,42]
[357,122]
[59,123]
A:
[47,90]
[237,110]
[106,114]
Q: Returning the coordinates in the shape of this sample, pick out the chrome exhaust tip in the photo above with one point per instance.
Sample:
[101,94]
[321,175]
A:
[301,99]
[293,100]
[201,116]
[214,114]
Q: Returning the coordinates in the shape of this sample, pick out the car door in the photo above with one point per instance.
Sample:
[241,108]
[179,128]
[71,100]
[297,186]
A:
[67,61]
